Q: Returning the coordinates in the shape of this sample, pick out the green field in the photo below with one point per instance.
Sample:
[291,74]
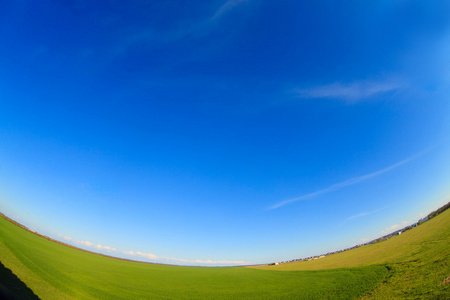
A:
[412,265]
[418,262]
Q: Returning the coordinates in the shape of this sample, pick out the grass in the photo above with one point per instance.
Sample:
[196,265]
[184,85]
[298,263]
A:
[54,271]
[418,262]
[410,266]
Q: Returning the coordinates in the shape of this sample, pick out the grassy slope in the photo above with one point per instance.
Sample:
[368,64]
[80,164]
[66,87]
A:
[419,261]
[54,271]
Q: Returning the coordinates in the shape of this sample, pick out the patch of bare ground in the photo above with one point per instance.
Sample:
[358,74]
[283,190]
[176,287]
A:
[446,281]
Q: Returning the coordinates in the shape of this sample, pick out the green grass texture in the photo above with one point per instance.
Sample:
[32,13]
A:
[418,262]
[55,271]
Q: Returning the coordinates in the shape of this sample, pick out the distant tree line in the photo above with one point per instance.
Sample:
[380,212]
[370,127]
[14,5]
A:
[439,210]
[380,239]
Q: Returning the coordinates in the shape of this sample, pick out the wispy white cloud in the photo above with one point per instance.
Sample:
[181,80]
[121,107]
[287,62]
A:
[153,257]
[223,262]
[185,261]
[394,227]
[349,182]
[67,238]
[366,213]
[226,7]
[103,248]
[92,245]
[211,262]
[150,36]
[86,243]
[424,214]
[357,90]
[147,255]
[100,247]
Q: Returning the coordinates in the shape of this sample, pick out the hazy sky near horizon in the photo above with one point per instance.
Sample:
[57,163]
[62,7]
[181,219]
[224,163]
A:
[223,132]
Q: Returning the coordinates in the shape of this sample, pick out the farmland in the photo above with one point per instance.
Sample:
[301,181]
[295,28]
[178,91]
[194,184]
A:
[412,265]
[418,262]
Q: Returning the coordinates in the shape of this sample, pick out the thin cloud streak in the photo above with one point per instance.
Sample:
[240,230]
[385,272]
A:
[357,90]
[226,7]
[366,213]
[150,36]
[349,182]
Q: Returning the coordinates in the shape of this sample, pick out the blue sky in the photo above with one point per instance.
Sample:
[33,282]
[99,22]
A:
[223,132]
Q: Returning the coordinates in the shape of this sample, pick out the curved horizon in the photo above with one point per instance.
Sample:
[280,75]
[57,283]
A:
[387,232]
[226,132]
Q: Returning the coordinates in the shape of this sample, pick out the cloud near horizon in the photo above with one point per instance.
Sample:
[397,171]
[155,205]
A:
[153,257]
[394,227]
[88,244]
[187,261]
[357,90]
[148,255]
[67,238]
[209,261]
[100,247]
